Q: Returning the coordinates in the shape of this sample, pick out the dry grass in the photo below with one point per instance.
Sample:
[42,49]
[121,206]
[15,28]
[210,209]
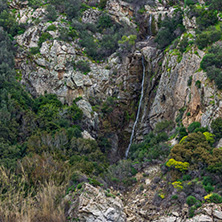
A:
[19,204]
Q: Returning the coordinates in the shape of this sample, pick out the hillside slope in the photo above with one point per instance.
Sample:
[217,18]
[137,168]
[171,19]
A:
[71,78]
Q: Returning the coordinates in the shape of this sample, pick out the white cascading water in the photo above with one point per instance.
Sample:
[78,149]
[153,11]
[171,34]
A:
[138,111]
[150,28]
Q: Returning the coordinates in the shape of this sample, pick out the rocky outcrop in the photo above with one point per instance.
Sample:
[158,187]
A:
[96,204]
[120,11]
[91,16]
[52,70]
[93,204]
[200,99]
[29,16]
[207,213]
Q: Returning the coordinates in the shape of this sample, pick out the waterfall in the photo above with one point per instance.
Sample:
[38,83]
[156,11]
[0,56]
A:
[150,28]
[138,111]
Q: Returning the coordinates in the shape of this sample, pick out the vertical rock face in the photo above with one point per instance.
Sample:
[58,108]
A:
[175,92]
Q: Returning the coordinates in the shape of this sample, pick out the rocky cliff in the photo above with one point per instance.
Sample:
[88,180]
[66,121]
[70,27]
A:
[53,57]
[166,88]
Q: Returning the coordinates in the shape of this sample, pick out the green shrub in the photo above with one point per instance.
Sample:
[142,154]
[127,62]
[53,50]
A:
[198,84]
[186,177]
[216,126]
[211,63]
[79,186]
[72,8]
[166,33]
[163,126]
[151,148]
[202,40]
[104,22]
[189,82]
[67,34]
[51,13]
[192,211]
[94,182]
[51,28]
[183,44]
[207,180]
[206,18]
[213,198]
[127,42]
[174,197]
[102,4]
[182,133]
[191,200]
[214,4]
[208,37]
[209,188]
[120,175]
[202,129]
[193,126]
[44,37]
[35,3]
[8,22]
[189,2]
[34,50]
[87,41]
[83,66]
[141,10]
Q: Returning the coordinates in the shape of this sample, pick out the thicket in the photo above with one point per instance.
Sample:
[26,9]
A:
[211,63]
[8,20]
[216,126]
[214,4]
[208,28]
[194,168]
[99,49]
[96,48]
[41,146]
[170,29]
[121,175]
[83,66]
[206,19]
[153,146]
[208,37]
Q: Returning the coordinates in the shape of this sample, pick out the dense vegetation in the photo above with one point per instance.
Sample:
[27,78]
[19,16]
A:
[42,153]
[193,168]
[195,164]
[212,63]
[208,28]
[37,138]
[96,48]
[170,29]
